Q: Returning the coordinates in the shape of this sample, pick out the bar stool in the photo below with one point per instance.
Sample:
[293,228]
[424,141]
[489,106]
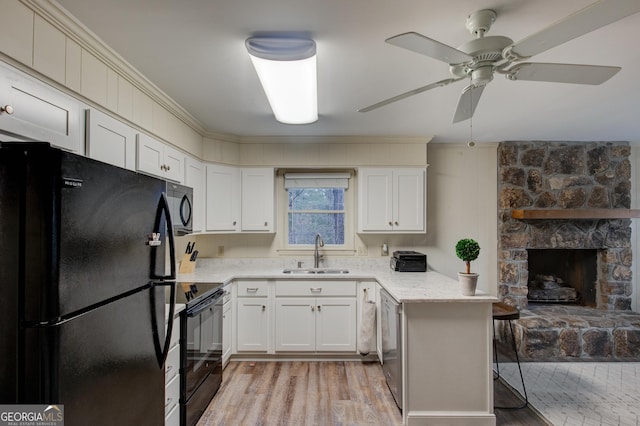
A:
[504,312]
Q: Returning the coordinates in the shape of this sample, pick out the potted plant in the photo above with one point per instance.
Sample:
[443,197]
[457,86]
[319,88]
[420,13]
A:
[468,250]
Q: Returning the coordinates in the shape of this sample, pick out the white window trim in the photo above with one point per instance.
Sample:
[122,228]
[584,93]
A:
[347,249]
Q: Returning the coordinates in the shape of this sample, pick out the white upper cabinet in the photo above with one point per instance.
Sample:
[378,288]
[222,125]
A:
[223,198]
[240,199]
[110,140]
[194,177]
[31,110]
[391,200]
[257,205]
[158,159]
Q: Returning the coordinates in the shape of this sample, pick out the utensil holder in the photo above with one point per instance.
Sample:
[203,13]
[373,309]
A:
[187,266]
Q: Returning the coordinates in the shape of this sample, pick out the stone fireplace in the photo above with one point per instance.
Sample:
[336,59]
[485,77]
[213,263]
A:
[565,272]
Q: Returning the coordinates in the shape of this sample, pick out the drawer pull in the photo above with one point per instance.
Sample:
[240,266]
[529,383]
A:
[315,289]
[263,308]
[252,289]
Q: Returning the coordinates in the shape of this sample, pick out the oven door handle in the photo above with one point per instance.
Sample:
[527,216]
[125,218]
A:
[203,305]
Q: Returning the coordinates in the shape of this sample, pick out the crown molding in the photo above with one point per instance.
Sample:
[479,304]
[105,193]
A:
[75,30]
[335,139]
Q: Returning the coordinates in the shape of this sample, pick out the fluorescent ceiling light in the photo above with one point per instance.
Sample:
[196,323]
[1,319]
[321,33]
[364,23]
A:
[287,70]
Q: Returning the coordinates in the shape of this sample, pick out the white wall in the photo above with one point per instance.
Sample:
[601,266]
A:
[462,203]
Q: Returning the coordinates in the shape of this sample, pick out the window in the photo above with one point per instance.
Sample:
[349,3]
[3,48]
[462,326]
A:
[316,205]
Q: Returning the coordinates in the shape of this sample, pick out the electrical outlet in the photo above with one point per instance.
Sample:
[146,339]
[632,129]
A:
[220,251]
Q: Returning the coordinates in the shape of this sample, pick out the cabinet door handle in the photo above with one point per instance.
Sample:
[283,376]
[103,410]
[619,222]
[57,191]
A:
[315,289]
[252,289]
[319,308]
[234,223]
[266,224]
[312,308]
[7,108]
[396,223]
[264,308]
[390,223]
[168,168]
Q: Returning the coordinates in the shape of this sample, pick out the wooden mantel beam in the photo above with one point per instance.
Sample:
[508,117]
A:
[575,214]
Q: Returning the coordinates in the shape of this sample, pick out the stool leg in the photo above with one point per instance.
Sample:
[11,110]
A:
[495,353]
[515,351]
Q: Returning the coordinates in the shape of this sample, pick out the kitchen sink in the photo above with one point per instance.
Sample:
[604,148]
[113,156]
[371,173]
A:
[315,271]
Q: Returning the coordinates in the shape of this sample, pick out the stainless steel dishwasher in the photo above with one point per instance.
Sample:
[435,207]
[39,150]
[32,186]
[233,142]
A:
[391,320]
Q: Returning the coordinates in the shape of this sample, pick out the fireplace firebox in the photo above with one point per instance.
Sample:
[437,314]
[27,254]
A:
[563,276]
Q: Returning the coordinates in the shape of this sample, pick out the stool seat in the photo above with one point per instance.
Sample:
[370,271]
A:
[502,311]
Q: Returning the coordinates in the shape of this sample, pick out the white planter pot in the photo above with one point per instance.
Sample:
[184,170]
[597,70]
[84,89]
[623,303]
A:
[468,283]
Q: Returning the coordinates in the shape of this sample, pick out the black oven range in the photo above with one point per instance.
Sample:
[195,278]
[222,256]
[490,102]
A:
[201,346]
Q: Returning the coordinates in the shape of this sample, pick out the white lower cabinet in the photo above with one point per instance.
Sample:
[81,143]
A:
[378,323]
[227,328]
[172,377]
[324,323]
[252,334]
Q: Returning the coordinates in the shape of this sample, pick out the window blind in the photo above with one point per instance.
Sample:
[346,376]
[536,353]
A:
[316,180]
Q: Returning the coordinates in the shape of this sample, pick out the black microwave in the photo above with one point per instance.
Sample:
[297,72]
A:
[180,199]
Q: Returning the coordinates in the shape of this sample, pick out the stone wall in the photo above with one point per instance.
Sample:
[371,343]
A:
[565,175]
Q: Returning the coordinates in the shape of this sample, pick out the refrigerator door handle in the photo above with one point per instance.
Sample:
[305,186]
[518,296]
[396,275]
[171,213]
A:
[163,207]
[163,351]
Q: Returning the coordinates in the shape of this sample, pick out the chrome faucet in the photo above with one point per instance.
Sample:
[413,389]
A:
[316,255]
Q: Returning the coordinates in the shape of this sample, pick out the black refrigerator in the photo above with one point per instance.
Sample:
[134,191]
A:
[82,286]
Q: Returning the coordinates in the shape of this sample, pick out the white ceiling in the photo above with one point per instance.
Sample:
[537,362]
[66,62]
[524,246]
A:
[194,51]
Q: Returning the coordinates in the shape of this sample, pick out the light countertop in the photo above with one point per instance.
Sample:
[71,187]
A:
[405,287]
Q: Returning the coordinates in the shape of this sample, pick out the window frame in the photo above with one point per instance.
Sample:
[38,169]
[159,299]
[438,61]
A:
[282,198]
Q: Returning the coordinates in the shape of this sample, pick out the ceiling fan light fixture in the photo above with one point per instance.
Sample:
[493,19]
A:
[481,76]
[286,67]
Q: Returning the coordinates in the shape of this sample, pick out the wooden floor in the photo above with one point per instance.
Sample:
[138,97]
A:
[319,393]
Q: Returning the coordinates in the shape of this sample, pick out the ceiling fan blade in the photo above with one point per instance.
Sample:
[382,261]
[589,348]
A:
[429,47]
[562,73]
[592,17]
[467,103]
[410,93]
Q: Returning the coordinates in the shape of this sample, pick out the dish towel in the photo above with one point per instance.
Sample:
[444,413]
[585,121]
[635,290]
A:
[367,324]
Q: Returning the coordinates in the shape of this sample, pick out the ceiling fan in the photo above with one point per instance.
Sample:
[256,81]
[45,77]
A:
[479,59]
